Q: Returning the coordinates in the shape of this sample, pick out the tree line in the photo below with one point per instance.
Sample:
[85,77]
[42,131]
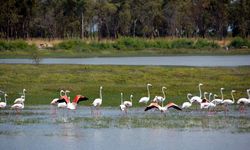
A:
[114,18]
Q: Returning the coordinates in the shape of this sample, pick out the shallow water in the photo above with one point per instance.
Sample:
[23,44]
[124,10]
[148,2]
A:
[46,127]
[199,61]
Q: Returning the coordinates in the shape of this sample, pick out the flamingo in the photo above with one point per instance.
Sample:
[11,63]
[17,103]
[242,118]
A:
[54,101]
[205,97]
[162,108]
[146,99]
[205,103]
[22,98]
[160,99]
[197,98]
[18,106]
[122,105]
[244,101]
[63,100]
[219,101]
[129,103]
[98,101]
[72,105]
[227,102]
[3,104]
[186,105]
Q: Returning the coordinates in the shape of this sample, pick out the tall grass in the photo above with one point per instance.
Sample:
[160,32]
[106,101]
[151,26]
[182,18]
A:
[15,45]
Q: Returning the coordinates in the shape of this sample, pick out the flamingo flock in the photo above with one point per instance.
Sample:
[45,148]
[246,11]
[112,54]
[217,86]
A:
[156,104]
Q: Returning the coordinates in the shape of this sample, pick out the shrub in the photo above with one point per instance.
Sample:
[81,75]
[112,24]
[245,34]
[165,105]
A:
[239,42]
[15,45]
[77,45]
[202,43]
[100,45]
[182,43]
[129,43]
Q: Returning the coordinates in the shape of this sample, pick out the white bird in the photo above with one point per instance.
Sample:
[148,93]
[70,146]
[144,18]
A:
[98,101]
[18,106]
[54,101]
[186,105]
[22,98]
[206,103]
[146,99]
[244,101]
[122,105]
[160,99]
[3,104]
[64,99]
[129,103]
[227,102]
[197,98]
[218,101]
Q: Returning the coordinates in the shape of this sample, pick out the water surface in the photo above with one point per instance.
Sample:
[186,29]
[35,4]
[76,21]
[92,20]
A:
[199,61]
[46,127]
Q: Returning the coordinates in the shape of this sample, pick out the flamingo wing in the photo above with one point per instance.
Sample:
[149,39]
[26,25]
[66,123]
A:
[152,105]
[63,99]
[79,98]
[173,105]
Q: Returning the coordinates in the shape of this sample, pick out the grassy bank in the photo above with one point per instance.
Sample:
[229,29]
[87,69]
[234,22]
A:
[43,82]
[125,46]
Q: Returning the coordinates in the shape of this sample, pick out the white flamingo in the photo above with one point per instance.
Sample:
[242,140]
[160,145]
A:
[160,99]
[206,103]
[3,104]
[22,98]
[54,101]
[218,101]
[146,99]
[64,99]
[122,105]
[244,101]
[129,103]
[186,105]
[227,102]
[18,106]
[98,101]
[197,98]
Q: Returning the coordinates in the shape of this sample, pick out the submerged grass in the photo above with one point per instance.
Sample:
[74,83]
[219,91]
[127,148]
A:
[43,82]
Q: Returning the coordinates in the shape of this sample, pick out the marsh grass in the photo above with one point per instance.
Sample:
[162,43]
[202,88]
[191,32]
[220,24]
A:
[43,82]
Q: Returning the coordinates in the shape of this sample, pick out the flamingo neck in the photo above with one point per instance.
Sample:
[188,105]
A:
[24,94]
[205,95]
[232,97]
[61,93]
[121,98]
[148,92]
[248,93]
[100,93]
[188,97]
[5,99]
[222,97]
[131,99]
[164,95]
[209,98]
[200,91]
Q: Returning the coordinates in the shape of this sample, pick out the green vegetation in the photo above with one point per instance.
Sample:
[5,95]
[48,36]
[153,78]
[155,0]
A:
[15,45]
[239,42]
[43,82]
[124,46]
